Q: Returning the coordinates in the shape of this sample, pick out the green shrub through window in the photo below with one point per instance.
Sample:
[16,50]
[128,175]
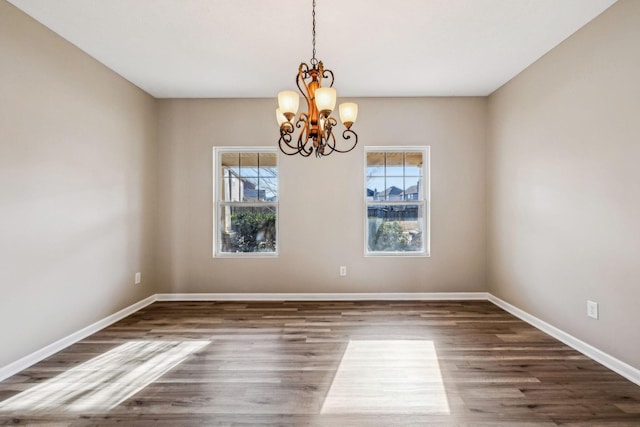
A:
[246,201]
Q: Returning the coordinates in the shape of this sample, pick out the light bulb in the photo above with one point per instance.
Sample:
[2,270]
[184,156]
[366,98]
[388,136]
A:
[348,113]
[288,101]
[325,100]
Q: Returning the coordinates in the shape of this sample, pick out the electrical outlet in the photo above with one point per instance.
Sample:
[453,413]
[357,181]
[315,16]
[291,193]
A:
[592,309]
[343,270]
[138,277]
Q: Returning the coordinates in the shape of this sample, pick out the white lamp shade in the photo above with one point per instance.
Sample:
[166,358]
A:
[348,112]
[288,101]
[325,98]
[280,117]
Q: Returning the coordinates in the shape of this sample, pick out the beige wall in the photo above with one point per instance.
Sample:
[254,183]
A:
[563,176]
[321,200]
[77,188]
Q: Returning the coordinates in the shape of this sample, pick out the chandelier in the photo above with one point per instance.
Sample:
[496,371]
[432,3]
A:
[316,124]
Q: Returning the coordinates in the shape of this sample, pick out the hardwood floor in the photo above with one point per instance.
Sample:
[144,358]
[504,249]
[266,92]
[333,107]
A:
[320,364]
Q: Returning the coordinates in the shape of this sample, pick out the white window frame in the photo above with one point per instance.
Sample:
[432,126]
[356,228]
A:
[425,193]
[218,203]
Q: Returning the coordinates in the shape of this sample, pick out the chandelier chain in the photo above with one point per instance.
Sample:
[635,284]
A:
[314,61]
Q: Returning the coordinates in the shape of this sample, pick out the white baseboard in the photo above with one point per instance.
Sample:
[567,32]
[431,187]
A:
[627,371]
[39,355]
[616,365]
[395,296]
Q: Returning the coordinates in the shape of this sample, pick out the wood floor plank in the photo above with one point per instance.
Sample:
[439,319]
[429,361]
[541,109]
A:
[322,363]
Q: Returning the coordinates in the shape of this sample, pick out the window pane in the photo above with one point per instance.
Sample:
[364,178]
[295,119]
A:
[249,189]
[412,190]
[395,164]
[247,229]
[413,163]
[395,228]
[375,159]
[268,189]
[268,161]
[246,206]
[248,165]
[375,164]
[230,191]
[375,189]
[375,171]
[395,187]
[229,163]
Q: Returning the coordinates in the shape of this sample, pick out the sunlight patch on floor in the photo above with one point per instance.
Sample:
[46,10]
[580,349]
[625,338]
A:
[107,380]
[388,377]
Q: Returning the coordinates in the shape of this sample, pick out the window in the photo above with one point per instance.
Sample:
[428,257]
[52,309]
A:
[396,194]
[246,201]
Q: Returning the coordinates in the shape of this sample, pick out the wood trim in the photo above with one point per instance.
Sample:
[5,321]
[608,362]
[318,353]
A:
[616,365]
[38,355]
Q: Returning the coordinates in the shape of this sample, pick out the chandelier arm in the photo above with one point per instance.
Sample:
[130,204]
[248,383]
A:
[330,143]
[303,124]
[303,87]
[346,135]
[329,123]
[323,147]
[303,72]
[328,74]
[302,118]
[284,143]
[302,144]
[286,136]
[329,136]
[303,121]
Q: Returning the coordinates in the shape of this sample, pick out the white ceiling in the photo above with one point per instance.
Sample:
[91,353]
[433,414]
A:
[252,48]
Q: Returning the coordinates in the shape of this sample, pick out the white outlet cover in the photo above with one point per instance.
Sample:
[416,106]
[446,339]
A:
[592,309]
